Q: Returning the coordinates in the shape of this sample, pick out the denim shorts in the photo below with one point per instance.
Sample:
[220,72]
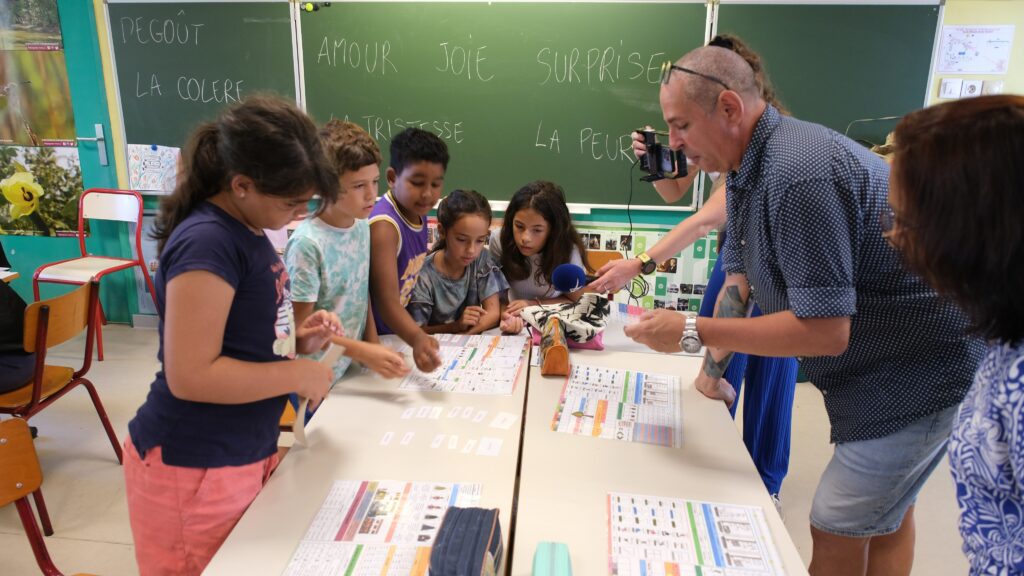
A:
[868,486]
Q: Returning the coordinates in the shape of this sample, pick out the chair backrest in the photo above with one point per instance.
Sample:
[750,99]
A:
[598,258]
[20,474]
[105,204]
[66,316]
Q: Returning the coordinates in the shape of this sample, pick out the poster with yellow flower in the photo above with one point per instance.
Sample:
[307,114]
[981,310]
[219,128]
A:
[39,190]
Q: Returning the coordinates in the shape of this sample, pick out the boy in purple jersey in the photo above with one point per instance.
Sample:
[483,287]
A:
[398,237]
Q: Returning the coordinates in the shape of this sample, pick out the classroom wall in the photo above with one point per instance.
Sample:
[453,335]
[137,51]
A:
[988,12]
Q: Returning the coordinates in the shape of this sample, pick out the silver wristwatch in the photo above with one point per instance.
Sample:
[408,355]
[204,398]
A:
[690,342]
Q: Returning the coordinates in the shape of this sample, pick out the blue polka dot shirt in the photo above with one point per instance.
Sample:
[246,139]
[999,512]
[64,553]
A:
[803,225]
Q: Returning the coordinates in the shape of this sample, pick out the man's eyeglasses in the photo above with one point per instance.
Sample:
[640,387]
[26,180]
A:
[668,67]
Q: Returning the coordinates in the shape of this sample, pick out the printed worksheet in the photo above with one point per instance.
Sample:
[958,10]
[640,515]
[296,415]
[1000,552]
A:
[384,527]
[152,167]
[627,405]
[472,365]
[657,536]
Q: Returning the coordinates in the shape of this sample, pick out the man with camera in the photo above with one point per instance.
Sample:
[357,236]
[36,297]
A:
[805,243]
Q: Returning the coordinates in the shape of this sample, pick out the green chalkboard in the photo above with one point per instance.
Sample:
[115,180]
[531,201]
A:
[179,64]
[519,91]
[840,63]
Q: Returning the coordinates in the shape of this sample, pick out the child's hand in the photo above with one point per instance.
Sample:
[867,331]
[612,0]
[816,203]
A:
[383,361]
[426,352]
[515,306]
[316,330]
[312,380]
[471,316]
[511,324]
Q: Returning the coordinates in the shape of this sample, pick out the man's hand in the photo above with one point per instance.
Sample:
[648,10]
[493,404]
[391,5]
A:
[719,389]
[659,330]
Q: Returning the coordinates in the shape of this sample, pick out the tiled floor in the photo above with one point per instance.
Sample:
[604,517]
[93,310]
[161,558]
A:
[84,486]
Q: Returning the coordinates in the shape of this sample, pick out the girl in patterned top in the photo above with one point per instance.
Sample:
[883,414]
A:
[956,208]
[459,287]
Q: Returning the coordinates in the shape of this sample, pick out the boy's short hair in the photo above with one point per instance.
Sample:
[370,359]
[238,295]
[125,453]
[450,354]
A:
[414,145]
[348,146]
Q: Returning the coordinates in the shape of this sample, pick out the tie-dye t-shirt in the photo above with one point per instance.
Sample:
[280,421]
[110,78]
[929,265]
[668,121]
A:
[330,267]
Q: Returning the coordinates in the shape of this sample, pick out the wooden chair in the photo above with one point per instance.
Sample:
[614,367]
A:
[99,204]
[47,324]
[20,476]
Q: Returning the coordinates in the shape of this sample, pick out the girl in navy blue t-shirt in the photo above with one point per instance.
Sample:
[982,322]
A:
[205,441]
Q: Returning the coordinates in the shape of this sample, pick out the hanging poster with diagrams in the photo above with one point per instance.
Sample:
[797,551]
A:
[975,49]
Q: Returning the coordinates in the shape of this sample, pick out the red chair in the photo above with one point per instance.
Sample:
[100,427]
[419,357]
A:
[20,476]
[99,204]
[47,324]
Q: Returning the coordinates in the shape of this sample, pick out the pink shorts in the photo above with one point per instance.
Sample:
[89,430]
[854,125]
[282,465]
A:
[180,516]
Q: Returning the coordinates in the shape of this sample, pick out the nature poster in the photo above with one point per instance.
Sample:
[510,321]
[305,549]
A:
[39,190]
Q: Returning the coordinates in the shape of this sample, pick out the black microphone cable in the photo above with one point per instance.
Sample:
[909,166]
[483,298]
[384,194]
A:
[638,286]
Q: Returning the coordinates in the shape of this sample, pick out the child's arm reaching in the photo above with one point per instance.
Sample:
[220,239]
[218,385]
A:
[384,285]
[193,341]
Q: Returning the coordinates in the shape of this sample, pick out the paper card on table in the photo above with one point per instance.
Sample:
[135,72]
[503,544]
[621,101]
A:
[408,413]
[423,412]
[467,412]
[453,442]
[454,412]
[480,415]
[468,448]
[628,405]
[489,446]
[504,420]
[408,438]
[435,412]
[704,537]
[377,527]
[438,440]
[472,365]
[386,438]
[535,356]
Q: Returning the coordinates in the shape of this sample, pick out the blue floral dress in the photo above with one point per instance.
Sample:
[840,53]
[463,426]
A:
[986,454]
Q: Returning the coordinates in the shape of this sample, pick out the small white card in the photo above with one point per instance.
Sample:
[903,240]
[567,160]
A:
[409,412]
[480,416]
[435,412]
[438,440]
[468,448]
[408,438]
[504,420]
[489,446]
[386,439]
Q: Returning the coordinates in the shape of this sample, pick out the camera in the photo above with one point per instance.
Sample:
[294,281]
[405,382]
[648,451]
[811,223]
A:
[660,161]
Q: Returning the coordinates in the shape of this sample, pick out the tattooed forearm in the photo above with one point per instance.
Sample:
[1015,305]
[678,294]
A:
[733,304]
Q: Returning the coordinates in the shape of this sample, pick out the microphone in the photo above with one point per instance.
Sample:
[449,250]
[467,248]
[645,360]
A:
[570,278]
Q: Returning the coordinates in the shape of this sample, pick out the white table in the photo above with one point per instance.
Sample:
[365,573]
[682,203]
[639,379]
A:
[344,444]
[565,478]
[8,275]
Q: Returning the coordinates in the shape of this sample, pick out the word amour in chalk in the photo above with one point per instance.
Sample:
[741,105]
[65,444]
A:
[592,144]
[372,57]
[598,65]
[382,128]
[159,31]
